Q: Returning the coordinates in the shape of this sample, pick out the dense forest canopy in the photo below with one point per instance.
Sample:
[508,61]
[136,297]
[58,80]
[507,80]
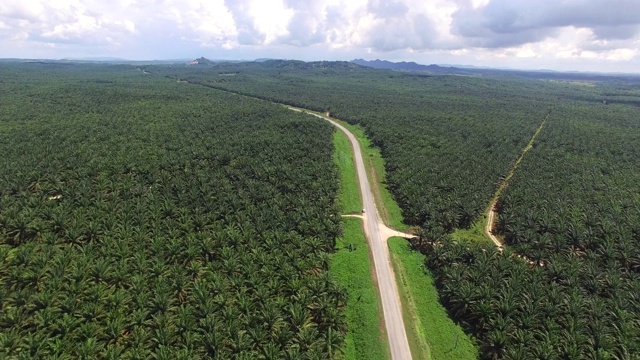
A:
[141,218]
[566,286]
[145,213]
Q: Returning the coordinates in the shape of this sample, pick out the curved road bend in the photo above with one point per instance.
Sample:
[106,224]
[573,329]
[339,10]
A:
[391,307]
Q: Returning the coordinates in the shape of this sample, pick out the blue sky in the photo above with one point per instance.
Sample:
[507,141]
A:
[594,35]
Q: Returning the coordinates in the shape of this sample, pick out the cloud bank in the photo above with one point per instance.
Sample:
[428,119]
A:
[564,33]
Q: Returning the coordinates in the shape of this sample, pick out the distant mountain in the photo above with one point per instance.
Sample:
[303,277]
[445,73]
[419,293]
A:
[266,59]
[407,66]
[201,61]
[302,65]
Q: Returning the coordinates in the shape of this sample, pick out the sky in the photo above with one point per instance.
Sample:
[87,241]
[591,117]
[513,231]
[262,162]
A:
[583,35]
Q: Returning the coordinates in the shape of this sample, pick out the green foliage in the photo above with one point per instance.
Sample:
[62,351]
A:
[565,287]
[575,204]
[433,332]
[142,218]
[448,142]
[351,268]
[431,130]
[521,311]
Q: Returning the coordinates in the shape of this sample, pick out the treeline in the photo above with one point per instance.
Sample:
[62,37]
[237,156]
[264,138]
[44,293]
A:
[142,218]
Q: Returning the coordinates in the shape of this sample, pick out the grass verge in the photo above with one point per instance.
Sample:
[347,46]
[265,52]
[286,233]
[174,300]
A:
[350,266]
[432,334]
[349,194]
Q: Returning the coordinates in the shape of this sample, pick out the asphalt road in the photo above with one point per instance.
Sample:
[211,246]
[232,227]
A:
[391,306]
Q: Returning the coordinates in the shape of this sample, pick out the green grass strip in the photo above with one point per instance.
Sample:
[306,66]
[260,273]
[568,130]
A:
[432,334]
[474,233]
[349,194]
[350,267]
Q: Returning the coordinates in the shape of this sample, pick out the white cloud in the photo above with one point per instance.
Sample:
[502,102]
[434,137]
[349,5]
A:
[209,23]
[31,10]
[588,33]
[270,18]
[59,21]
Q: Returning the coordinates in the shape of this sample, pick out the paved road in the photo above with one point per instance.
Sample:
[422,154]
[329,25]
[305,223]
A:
[391,307]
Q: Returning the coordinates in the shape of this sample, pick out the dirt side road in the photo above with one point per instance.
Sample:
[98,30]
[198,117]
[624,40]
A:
[491,213]
[491,218]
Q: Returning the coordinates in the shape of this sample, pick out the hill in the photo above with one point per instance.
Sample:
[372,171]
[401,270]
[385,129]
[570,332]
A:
[202,61]
[406,66]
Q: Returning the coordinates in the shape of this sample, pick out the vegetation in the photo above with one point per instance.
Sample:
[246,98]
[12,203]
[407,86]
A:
[565,287]
[142,218]
[351,268]
[433,333]
[430,130]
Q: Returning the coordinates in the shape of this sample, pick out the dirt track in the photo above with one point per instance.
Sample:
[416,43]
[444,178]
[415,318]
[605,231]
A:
[491,213]
[491,216]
